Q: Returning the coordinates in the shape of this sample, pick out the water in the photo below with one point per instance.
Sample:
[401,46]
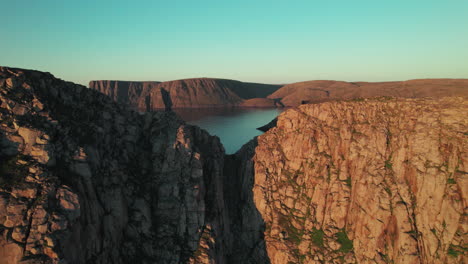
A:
[234,126]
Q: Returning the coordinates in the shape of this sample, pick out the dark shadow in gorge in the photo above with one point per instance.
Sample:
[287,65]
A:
[246,224]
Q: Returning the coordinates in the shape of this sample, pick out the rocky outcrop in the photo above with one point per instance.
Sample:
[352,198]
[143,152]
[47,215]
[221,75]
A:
[322,91]
[85,180]
[187,93]
[377,181]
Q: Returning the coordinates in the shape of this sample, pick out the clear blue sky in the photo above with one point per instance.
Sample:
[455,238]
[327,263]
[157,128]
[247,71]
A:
[264,41]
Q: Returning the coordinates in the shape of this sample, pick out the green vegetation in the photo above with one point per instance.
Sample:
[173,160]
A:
[451,181]
[293,234]
[413,234]
[388,164]
[346,243]
[348,181]
[388,191]
[455,251]
[317,237]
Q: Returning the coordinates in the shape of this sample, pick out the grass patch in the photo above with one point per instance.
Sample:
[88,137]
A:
[317,237]
[388,164]
[293,234]
[455,251]
[451,181]
[345,242]
[348,182]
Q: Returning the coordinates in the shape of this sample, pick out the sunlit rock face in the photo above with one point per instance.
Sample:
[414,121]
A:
[374,181]
[295,94]
[85,180]
[188,93]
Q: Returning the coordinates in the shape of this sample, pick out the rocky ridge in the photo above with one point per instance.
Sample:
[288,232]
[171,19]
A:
[187,93]
[322,91]
[85,180]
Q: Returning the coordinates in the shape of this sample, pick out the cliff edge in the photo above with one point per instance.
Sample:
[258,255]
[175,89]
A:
[187,93]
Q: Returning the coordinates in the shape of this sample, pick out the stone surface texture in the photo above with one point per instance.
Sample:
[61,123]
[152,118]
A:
[86,180]
[377,181]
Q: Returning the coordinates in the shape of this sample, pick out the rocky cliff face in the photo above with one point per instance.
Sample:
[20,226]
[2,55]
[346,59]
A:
[377,181]
[84,180]
[322,91]
[124,92]
[188,93]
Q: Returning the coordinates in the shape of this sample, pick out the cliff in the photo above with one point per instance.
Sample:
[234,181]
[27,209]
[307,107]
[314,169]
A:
[128,93]
[188,93]
[321,91]
[377,181]
[85,180]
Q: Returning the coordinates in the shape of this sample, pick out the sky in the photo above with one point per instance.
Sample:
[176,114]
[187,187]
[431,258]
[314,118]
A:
[249,40]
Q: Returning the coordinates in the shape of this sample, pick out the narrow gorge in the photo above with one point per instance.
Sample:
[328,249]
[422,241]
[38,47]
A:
[84,179]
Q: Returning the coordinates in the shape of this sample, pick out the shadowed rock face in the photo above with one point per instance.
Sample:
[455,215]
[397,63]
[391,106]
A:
[366,182]
[85,180]
[188,93]
[321,91]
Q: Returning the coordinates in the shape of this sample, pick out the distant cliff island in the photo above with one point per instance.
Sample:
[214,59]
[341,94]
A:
[209,92]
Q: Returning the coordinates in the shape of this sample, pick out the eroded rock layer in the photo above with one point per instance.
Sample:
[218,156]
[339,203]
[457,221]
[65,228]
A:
[187,93]
[377,181]
[85,180]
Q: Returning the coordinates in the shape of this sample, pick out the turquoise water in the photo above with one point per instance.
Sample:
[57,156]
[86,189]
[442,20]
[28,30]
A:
[234,126]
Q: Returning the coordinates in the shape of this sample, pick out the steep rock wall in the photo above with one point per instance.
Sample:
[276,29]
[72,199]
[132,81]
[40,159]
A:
[377,181]
[187,93]
[85,180]
[124,92]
